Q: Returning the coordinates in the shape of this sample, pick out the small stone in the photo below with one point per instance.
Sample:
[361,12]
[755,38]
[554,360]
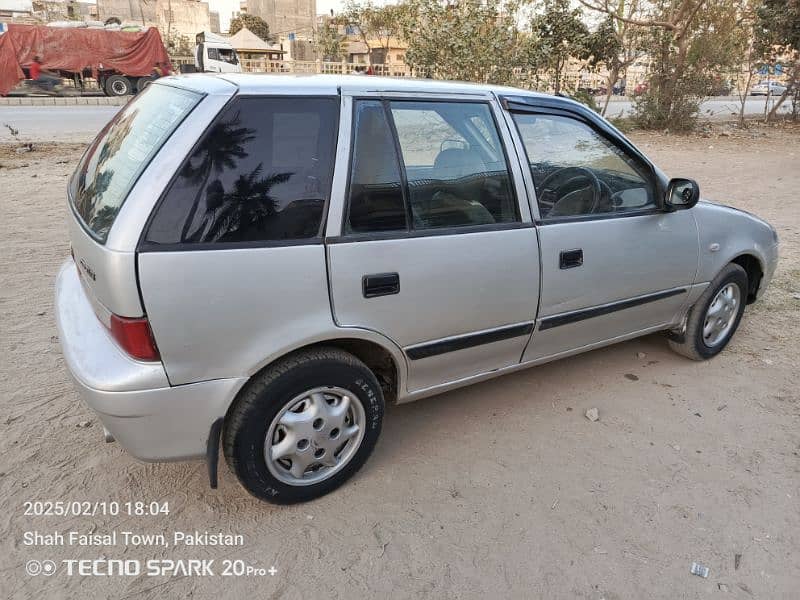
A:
[631,376]
[85,424]
[676,448]
[796,296]
[641,355]
[722,587]
[23,149]
[593,414]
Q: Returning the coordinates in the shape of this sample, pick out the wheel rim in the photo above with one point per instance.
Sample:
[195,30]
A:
[314,435]
[721,315]
[119,88]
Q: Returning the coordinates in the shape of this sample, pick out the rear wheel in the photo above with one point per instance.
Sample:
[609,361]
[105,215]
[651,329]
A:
[142,83]
[304,426]
[118,85]
[715,316]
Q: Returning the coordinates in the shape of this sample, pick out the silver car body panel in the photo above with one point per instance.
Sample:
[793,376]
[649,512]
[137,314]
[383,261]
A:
[440,296]
[90,353]
[618,266]
[226,313]
[726,233]
[109,275]
[469,309]
[452,385]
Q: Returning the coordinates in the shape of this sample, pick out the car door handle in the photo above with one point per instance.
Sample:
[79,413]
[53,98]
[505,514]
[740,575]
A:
[380,284]
[569,259]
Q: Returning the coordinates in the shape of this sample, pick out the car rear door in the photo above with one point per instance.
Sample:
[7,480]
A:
[614,264]
[427,242]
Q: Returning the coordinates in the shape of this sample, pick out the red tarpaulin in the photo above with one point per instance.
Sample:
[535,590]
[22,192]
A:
[75,49]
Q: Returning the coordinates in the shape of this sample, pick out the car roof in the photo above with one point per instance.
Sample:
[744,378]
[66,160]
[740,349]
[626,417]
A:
[312,84]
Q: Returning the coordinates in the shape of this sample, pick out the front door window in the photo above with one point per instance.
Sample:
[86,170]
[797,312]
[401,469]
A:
[579,173]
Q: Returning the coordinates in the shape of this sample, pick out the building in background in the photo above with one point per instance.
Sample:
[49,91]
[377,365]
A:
[226,9]
[172,17]
[15,9]
[286,17]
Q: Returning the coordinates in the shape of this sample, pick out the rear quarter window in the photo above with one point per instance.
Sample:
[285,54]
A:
[117,157]
[261,173]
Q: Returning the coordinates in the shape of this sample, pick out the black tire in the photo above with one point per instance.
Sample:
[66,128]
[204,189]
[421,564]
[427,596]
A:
[691,342]
[248,421]
[118,85]
[142,83]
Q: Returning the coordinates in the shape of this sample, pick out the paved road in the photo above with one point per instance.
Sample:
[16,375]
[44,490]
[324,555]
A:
[55,123]
[81,123]
[714,108]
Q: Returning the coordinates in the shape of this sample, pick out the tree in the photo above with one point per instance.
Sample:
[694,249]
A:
[559,34]
[252,22]
[778,40]
[688,43]
[374,25]
[617,44]
[328,42]
[243,211]
[218,152]
[472,40]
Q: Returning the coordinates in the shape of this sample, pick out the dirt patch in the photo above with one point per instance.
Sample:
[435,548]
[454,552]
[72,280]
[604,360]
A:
[504,489]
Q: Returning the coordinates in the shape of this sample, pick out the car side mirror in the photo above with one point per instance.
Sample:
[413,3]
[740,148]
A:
[681,194]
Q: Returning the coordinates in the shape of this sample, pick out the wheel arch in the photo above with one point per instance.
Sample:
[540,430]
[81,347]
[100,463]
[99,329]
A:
[754,268]
[378,353]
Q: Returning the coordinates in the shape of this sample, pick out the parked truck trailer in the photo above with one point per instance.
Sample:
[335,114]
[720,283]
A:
[122,62]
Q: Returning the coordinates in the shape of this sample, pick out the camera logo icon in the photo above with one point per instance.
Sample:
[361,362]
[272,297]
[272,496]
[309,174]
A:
[36,567]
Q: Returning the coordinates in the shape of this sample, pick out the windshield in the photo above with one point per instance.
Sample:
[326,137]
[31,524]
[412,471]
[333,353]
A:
[117,157]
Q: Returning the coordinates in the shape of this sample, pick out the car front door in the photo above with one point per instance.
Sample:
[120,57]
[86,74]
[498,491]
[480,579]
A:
[430,245]
[614,263]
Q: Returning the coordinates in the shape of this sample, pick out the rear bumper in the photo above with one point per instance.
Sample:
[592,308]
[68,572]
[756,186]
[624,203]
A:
[163,424]
[151,419]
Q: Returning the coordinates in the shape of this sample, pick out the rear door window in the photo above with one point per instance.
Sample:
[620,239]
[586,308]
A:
[117,157]
[455,167]
[376,192]
[261,173]
[445,168]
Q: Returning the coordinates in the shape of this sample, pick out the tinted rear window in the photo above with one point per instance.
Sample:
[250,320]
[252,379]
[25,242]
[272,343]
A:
[117,157]
[261,173]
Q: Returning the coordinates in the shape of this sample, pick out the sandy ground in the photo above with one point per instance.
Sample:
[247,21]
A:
[501,490]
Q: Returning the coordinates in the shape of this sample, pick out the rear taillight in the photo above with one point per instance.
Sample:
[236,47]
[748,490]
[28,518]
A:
[135,337]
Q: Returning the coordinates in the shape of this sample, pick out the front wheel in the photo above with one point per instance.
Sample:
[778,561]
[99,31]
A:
[118,85]
[715,316]
[304,426]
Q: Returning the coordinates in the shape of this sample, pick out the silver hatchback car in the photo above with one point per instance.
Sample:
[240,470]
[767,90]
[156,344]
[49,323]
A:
[261,262]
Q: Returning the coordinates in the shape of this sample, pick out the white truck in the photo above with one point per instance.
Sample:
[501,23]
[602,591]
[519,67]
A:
[214,54]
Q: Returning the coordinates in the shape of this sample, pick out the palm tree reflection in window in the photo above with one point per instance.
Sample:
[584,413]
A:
[241,214]
[216,153]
